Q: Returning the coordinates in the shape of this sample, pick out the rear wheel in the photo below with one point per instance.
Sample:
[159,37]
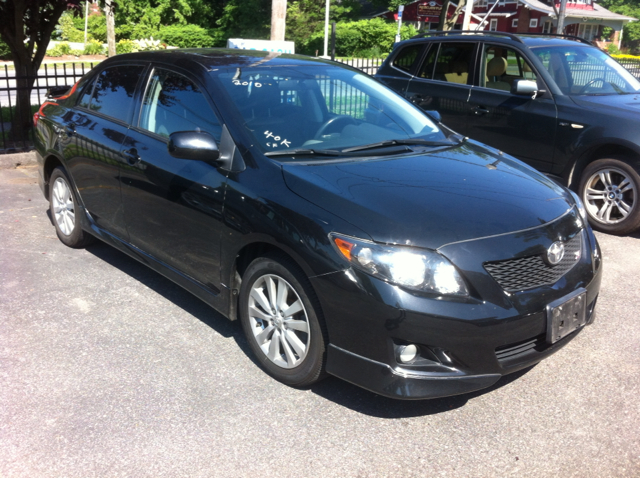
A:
[279,315]
[609,189]
[64,211]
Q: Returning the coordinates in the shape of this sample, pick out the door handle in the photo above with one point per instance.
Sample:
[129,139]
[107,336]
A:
[479,110]
[131,155]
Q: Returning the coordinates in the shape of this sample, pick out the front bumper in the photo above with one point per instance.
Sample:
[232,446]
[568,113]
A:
[465,344]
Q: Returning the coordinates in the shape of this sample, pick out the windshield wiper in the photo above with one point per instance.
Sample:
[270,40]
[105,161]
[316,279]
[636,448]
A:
[398,142]
[304,152]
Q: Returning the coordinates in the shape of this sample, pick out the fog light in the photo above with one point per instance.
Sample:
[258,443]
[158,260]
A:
[406,353]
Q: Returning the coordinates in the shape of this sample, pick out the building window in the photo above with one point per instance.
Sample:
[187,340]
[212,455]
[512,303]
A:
[481,3]
[587,31]
[514,23]
[546,28]
[533,23]
[493,25]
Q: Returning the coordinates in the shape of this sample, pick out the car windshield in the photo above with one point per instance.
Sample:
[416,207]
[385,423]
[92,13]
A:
[323,110]
[584,70]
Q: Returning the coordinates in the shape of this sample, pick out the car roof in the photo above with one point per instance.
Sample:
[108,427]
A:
[213,58]
[529,40]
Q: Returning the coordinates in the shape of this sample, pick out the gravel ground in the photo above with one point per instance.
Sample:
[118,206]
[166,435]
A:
[108,369]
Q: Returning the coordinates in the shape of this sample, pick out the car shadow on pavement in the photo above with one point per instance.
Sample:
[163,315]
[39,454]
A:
[166,288]
[369,403]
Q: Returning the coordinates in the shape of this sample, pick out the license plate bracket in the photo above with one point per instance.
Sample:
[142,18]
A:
[566,315]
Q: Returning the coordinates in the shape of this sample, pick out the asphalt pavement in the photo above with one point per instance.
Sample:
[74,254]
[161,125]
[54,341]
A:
[107,369]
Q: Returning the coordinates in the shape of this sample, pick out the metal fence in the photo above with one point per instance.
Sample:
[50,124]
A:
[12,140]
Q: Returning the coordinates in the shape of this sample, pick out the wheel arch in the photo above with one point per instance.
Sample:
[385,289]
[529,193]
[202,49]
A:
[51,162]
[260,247]
[600,151]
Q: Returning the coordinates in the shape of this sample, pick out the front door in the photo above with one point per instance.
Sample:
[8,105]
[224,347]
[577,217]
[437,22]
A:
[518,125]
[173,207]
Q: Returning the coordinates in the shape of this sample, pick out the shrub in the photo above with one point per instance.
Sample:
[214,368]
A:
[93,47]
[125,46]
[68,30]
[186,36]
[148,45]
[76,52]
[363,38]
[60,49]
[613,49]
[5,53]
[97,26]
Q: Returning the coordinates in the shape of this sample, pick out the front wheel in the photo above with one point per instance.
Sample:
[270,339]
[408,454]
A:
[279,315]
[609,189]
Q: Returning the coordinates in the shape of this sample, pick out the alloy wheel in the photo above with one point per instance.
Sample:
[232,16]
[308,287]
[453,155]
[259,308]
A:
[279,321]
[63,207]
[609,195]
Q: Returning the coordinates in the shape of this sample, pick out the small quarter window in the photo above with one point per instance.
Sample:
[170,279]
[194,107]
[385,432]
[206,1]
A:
[407,57]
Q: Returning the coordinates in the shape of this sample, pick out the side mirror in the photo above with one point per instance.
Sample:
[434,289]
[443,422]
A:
[524,88]
[193,145]
[434,115]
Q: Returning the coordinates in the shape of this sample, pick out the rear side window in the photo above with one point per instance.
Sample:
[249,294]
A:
[113,91]
[451,63]
[174,103]
[407,57]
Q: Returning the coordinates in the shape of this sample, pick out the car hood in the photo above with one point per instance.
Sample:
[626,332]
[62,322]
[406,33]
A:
[609,103]
[432,199]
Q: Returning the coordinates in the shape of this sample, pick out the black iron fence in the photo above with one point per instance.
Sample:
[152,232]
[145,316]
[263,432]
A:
[12,138]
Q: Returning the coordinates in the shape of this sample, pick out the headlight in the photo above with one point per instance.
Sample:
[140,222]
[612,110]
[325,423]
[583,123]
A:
[416,269]
[581,208]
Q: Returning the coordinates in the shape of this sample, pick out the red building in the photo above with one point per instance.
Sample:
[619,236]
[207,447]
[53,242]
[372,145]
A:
[583,18]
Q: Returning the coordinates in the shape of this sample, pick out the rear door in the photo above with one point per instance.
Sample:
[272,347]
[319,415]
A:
[94,132]
[516,124]
[443,82]
[173,207]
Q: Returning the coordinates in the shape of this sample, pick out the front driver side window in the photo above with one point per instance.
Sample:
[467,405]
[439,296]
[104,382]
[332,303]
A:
[174,103]
[502,66]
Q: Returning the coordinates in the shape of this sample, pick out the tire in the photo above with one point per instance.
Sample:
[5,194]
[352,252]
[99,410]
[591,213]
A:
[64,211]
[610,191]
[290,346]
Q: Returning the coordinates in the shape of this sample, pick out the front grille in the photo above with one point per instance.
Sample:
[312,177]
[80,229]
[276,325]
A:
[528,272]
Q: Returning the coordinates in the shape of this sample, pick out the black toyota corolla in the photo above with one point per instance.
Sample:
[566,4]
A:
[348,231]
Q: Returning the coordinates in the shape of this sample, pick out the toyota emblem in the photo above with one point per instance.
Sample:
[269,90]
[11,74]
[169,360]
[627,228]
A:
[555,253]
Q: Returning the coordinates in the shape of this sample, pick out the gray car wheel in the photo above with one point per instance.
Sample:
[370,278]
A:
[63,206]
[279,315]
[610,191]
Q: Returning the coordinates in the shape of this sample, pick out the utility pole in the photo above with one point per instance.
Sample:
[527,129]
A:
[326,29]
[278,19]
[400,10]
[561,15]
[111,27]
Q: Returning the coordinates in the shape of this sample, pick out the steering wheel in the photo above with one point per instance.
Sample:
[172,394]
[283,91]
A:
[336,120]
[589,83]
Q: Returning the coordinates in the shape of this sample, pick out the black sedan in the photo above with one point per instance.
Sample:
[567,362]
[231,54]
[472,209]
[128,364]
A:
[348,231]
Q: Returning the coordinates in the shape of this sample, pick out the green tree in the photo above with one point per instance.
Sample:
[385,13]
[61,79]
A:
[243,19]
[26,27]
[306,18]
[630,8]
